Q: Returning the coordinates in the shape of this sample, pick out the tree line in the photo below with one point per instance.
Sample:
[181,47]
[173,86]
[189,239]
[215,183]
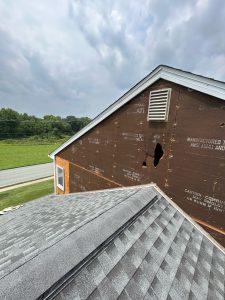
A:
[21,125]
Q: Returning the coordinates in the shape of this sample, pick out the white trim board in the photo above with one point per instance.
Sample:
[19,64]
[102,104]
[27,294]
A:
[196,82]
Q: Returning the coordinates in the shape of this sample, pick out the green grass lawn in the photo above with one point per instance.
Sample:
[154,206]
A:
[24,154]
[24,194]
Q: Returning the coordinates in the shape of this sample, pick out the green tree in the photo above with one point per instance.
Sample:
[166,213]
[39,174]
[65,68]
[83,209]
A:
[15,125]
[77,123]
[9,122]
[28,125]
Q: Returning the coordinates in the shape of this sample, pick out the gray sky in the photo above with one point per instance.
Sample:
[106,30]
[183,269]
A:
[68,57]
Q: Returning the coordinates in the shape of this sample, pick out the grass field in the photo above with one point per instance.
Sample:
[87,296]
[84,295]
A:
[19,154]
[24,194]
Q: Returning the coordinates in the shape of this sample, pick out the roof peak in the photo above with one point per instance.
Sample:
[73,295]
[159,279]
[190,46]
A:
[196,82]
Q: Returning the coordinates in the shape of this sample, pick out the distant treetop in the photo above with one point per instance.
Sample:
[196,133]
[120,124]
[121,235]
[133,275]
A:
[21,125]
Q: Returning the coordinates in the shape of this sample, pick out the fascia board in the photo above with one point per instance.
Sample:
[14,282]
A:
[192,81]
[195,82]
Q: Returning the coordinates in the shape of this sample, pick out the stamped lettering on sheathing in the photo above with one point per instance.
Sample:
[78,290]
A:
[140,108]
[96,169]
[94,141]
[74,149]
[137,109]
[82,188]
[202,143]
[139,137]
[155,139]
[134,176]
[210,203]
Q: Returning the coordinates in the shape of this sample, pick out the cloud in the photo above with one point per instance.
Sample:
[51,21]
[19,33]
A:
[77,57]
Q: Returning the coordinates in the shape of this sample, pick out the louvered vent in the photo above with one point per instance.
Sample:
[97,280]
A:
[159,101]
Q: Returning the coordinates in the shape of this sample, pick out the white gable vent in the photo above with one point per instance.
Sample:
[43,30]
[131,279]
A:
[159,102]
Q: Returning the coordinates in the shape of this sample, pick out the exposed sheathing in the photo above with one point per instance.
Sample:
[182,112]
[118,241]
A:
[64,164]
[192,170]
[83,177]
[197,158]
[215,234]
[117,147]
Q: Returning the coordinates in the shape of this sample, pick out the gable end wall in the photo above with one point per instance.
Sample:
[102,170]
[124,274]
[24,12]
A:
[192,169]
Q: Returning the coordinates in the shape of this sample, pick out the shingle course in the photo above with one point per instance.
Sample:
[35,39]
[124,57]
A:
[158,254]
[150,273]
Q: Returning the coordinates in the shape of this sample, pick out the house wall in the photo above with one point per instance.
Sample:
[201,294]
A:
[192,170]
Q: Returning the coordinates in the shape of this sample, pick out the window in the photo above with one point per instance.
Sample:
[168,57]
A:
[60,177]
[159,101]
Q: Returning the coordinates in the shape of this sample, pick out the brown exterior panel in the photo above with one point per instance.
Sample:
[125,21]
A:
[82,177]
[216,235]
[192,170]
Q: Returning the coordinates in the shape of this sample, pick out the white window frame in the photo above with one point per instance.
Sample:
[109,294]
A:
[57,177]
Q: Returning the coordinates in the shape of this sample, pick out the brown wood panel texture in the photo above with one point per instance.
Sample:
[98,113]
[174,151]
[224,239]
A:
[216,235]
[83,178]
[193,141]
[64,164]
[118,146]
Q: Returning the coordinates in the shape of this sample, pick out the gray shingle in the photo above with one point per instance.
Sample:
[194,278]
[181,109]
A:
[158,254]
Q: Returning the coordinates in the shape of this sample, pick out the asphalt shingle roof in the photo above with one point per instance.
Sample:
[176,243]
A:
[127,243]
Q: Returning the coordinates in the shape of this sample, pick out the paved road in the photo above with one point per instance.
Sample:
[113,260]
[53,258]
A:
[23,174]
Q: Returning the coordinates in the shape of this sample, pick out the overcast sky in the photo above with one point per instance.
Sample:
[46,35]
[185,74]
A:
[68,57]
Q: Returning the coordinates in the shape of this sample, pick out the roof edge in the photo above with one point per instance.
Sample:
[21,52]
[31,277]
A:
[196,82]
[186,216]
[71,250]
